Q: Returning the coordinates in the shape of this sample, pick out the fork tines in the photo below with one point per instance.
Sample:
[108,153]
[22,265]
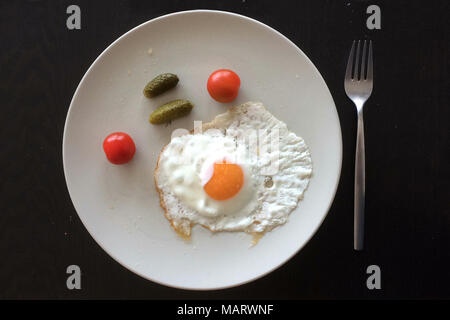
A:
[356,61]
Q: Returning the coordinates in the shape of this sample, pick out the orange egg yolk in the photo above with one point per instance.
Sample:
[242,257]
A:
[225,182]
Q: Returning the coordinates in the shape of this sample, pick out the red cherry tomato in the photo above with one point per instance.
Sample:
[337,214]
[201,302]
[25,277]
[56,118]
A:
[223,85]
[119,148]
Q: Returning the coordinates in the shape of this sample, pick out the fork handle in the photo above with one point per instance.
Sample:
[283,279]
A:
[360,180]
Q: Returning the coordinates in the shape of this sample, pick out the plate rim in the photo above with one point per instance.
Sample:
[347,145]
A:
[340,146]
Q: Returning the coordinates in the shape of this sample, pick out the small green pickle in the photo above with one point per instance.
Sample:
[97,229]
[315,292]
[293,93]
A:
[160,84]
[170,111]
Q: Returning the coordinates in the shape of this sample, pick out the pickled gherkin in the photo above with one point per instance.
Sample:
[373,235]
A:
[171,110]
[160,84]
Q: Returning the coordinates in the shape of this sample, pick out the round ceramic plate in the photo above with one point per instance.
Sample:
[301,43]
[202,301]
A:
[119,205]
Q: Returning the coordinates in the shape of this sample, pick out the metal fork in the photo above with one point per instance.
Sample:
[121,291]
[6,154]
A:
[358,84]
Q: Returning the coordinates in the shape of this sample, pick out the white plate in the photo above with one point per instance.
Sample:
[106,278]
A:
[119,205]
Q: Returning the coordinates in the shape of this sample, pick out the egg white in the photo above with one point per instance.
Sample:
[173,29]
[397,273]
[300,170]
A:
[274,181]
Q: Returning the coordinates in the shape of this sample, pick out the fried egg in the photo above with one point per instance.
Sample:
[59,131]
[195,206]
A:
[244,171]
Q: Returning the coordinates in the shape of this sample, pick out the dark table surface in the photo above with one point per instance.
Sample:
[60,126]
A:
[407,150]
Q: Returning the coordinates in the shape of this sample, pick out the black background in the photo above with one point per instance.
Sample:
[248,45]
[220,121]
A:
[407,150]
